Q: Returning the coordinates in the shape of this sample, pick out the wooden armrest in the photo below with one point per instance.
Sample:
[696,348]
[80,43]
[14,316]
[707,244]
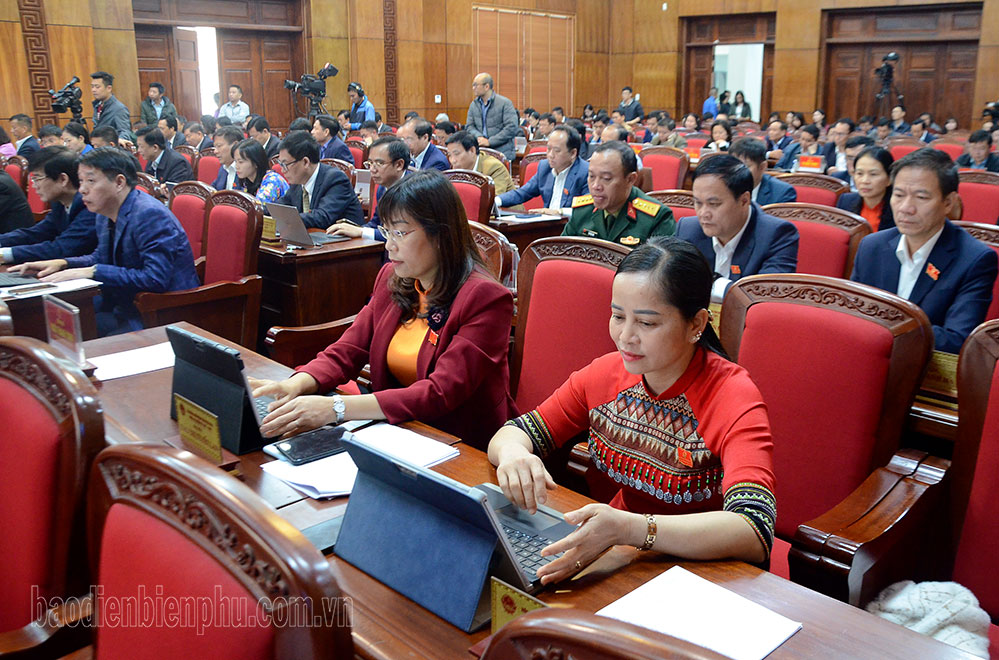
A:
[65,628]
[199,267]
[293,346]
[229,309]
[892,527]
[364,379]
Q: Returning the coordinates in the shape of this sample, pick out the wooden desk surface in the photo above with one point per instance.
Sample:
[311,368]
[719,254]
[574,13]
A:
[387,625]
[29,315]
[523,232]
[316,285]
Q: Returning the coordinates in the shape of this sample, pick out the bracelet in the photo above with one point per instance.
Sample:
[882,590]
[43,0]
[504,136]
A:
[650,534]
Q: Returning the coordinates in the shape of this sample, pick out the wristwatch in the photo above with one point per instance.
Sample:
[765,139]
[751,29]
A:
[339,407]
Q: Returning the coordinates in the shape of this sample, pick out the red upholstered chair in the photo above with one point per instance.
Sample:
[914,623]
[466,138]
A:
[166,522]
[681,202]
[190,153]
[903,146]
[190,201]
[988,234]
[17,168]
[667,164]
[816,188]
[53,428]
[697,140]
[828,237]
[528,168]
[953,147]
[343,166]
[838,364]
[39,208]
[558,333]
[228,302]
[537,147]
[359,150]
[569,633]
[979,193]
[208,166]
[477,193]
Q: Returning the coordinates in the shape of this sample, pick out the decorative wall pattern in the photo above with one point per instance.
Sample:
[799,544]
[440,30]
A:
[36,48]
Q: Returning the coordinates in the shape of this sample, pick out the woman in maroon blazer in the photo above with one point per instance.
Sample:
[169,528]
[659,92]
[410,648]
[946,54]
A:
[435,332]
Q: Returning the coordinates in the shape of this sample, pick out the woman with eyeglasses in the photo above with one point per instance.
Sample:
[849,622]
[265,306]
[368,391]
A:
[255,174]
[436,331]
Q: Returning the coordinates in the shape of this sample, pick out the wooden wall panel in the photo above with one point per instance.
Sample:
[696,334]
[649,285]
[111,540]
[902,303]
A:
[15,90]
[411,85]
[68,12]
[435,77]
[72,54]
[593,26]
[460,71]
[152,45]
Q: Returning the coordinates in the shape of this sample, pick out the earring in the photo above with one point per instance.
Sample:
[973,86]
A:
[696,338]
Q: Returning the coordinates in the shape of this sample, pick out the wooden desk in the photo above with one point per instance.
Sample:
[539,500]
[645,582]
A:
[523,232]
[387,625]
[29,314]
[316,285]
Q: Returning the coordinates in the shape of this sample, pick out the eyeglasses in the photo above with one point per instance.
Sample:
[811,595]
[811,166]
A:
[35,178]
[285,165]
[394,234]
[368,164]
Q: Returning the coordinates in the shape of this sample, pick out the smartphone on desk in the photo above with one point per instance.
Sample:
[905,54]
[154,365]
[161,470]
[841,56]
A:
[313,445]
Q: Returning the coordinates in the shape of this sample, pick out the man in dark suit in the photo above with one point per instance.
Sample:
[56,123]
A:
[20,130]
[260,130]
[171,132]
[898,124]
[14,210]
[926,259]
[417,134]
[766,189]
[732,233]
[194,135]
[389,157]
[920,131]
[560,178]
[322,194]
[777,139]
[326,130]
[108,110]
[161,163]
[835,149]
[979,155]
[226,138]
[68,229]
[140,244]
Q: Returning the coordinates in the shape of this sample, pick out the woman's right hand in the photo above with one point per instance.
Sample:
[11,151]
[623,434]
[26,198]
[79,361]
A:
[523,478]
[282,391]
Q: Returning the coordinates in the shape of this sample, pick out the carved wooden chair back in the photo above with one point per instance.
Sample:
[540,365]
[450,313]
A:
[828,237]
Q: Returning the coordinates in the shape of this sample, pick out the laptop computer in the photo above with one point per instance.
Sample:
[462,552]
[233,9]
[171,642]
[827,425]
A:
[291,229]
[519,536]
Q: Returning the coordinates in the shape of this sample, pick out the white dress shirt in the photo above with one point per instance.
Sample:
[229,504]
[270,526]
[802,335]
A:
[237,113]
[558,185]
[20,142]
[230,176]
[423,154]
[723,261]
[911,267]
[310,185]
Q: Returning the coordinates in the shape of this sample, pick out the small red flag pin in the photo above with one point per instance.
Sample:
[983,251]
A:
[684,456]
[933,271]
[736,270]
[432,337]
[631,211]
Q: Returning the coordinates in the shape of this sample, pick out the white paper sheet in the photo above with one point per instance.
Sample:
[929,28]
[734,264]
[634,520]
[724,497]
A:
[57,287]
[136,361]
[688,607]
[333,476]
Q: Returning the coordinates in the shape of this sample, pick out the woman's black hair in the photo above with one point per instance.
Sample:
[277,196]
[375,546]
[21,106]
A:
[253,152]
[884,157]
[725,125]
[684,278]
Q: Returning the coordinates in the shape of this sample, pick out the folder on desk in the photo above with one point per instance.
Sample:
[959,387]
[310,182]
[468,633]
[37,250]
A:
[433,539]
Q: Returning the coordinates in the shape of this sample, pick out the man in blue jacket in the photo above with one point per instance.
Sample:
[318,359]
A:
[732,232]
[361,109]
[560,178]
[418,136]
[68,229]
[326,130]
[926,259]
[766,189]
[140,243]
[108,110]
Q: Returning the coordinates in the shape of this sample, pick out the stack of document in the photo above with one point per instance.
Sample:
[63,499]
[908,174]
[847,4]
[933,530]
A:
[333,476]
[751,631]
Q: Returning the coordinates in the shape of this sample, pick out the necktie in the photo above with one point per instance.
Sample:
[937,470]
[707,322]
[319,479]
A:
[100,110]
[306,206]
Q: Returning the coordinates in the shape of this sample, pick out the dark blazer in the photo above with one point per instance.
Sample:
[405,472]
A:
[336,148]
[115,114]
[205,143]
[853,202]
[463,378]
[791,155]
[781,144]
[222,178]
[59,234]
[29,146]
[773,191]
[177,140]
[927,137]
[272,147]
[829,151]
[333,198]
[14,210]
[991,162]
[150,252]
[173,167]
[842,175]
[541,184]
[769,245]
[957,300]
[434,159]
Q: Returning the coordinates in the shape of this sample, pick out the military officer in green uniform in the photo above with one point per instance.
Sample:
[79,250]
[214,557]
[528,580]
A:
[616,210]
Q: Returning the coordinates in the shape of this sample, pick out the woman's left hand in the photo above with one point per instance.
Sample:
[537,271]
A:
[599,527]
[298,415]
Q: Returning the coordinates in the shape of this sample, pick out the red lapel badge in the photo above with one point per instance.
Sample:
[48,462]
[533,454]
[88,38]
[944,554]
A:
[684,456]
[736,270]
[432,337]
[631,211]
[933,272]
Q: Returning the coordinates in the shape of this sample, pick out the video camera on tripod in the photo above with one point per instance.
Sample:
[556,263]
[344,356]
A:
[68,98]
[886,72]
[313,87]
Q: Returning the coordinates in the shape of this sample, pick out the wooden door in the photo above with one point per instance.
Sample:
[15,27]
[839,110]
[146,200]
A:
[260,62]
[187,81]
[153,46]
[697,78]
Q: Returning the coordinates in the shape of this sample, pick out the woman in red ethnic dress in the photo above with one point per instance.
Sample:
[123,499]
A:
[679,428]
